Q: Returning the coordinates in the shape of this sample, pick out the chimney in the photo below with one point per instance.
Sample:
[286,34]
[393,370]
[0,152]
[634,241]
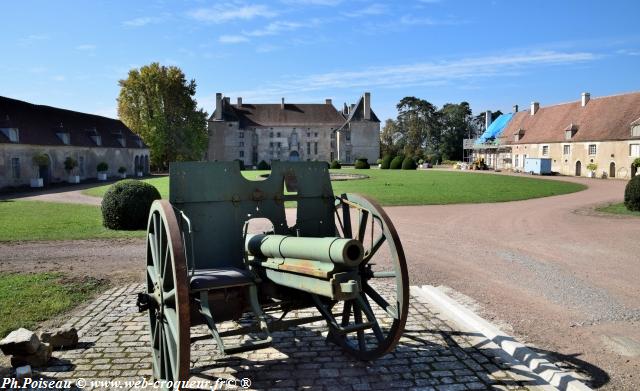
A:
[345,109]
[487,119]
[515,109]
[534,107]
[227,101]
[218,106]
[239,101]
[328,102]
[585,98]
[282,104]
[367,105]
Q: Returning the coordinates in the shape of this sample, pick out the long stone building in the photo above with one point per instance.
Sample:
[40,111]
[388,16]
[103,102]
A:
[293,131]
[27,130]
[603,131]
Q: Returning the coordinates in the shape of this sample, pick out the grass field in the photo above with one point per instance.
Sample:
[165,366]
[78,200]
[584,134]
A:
[618,209]
[34,220]
[26,299]
[391,187]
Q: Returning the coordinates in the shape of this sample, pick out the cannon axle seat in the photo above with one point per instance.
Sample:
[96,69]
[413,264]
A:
[209,279]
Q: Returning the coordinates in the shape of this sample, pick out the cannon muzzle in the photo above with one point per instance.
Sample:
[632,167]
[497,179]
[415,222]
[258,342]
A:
[347,252]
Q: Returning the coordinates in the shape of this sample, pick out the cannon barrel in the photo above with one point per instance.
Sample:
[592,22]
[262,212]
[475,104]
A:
[347,252]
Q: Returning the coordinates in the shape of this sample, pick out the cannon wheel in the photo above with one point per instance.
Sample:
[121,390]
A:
[372,343]
[167,288]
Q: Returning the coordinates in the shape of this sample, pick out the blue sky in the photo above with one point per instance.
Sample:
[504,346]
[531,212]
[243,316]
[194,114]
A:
[492,54]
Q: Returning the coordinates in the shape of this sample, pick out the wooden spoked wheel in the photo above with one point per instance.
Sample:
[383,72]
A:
[384,304]
[168,293]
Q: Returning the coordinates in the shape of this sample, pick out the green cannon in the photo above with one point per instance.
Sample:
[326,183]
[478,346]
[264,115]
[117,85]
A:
[226,249]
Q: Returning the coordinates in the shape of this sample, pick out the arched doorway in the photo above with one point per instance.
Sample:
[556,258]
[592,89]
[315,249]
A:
[578,168]
[634,169]
[45,171]
[294,156]
[146,164]
[612,170]
[136,164]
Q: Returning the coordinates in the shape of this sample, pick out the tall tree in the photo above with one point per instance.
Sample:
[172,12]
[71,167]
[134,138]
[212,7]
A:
[455,122]
[156,102]
[418,122]
[389,138]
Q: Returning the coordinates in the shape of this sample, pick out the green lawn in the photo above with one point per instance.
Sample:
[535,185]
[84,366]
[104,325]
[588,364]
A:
[392,187]
[618,209]
[26,299]
[34,220]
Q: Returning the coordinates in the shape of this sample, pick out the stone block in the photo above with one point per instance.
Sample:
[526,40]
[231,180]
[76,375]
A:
[20,342]
[66,337]
[38,359]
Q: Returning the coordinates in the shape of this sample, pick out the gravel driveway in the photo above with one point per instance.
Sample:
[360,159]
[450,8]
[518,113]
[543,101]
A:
[560,275]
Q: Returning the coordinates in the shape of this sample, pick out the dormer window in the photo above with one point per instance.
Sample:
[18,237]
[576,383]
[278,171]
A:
[635,131]
[517,136]
[122,141]
[64,137]
[138,142]
[570,131]
[97,140]
[11,133]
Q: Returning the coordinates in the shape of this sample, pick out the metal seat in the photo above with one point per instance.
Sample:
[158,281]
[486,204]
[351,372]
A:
[209,279]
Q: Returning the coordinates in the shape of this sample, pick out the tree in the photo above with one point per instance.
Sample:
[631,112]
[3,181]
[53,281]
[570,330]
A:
[418,122]
[388,138]
[156,103]
[455,120]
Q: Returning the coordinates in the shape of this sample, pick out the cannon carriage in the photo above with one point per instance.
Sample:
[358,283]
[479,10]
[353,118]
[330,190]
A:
[206,264]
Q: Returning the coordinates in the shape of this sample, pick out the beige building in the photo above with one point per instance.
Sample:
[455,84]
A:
[291,131]
[603,131]
[27,130]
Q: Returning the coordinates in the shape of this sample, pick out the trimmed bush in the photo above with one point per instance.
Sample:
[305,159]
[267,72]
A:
[126,204]
[362,164]
[409,164]
[632,194]
[396,163]
[335,165]
[386,162]
[263,165]
[69,164]
[122,169]
[379,161]
[102,167]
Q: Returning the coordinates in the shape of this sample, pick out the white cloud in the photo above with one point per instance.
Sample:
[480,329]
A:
[329,3]
[86,46]
[226,13]
[143,21]
[629,52]
[420,74]
[267,48]
[409,20]
[59,78]
[229,39]
[373,9]
[275,28]
[32,39]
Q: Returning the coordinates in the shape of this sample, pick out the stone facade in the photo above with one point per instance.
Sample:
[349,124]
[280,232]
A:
[28,130]
[255,132]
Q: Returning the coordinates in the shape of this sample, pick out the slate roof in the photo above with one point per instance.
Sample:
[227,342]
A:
[294,114]
[39,125]
[605,118]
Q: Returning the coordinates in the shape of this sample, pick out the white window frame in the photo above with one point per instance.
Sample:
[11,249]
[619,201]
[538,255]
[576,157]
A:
[631,148]
[635,131]
[566,150]
[545,150]
[517,160]
[595,149]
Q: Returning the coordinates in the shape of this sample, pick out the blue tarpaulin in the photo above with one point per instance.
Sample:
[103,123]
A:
[495,129]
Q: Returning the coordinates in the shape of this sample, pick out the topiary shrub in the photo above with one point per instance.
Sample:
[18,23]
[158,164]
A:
[379,161]
[126,204]
[396,163]
[122,169]
[102,167]
[335,165]
[263,165]
[632,194]
[386,162]
[69,164]
[409,164]
[362,164]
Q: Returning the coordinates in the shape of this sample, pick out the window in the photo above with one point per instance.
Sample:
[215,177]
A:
[545,150]
[241,144]
[308,134]
[333,134]
[524,157]
[122,141]
[241,135]
[348,156]
[347,136]
[634,150]
[241,154]
[271,134]
[11,134]
[97,140]
[315,148]
[517,160]
[592,149]
[568,134]
[331,156]
[81,165]
[271,144]
[64,137]
[635,131]
[279,145]
[278,134]
[308,148]
[15,167]
[315,134]
[566,149]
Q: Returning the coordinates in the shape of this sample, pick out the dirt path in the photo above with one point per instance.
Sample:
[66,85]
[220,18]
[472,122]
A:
[561,276]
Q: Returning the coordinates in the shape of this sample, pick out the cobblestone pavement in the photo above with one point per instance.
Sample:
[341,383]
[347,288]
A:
[431,355]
